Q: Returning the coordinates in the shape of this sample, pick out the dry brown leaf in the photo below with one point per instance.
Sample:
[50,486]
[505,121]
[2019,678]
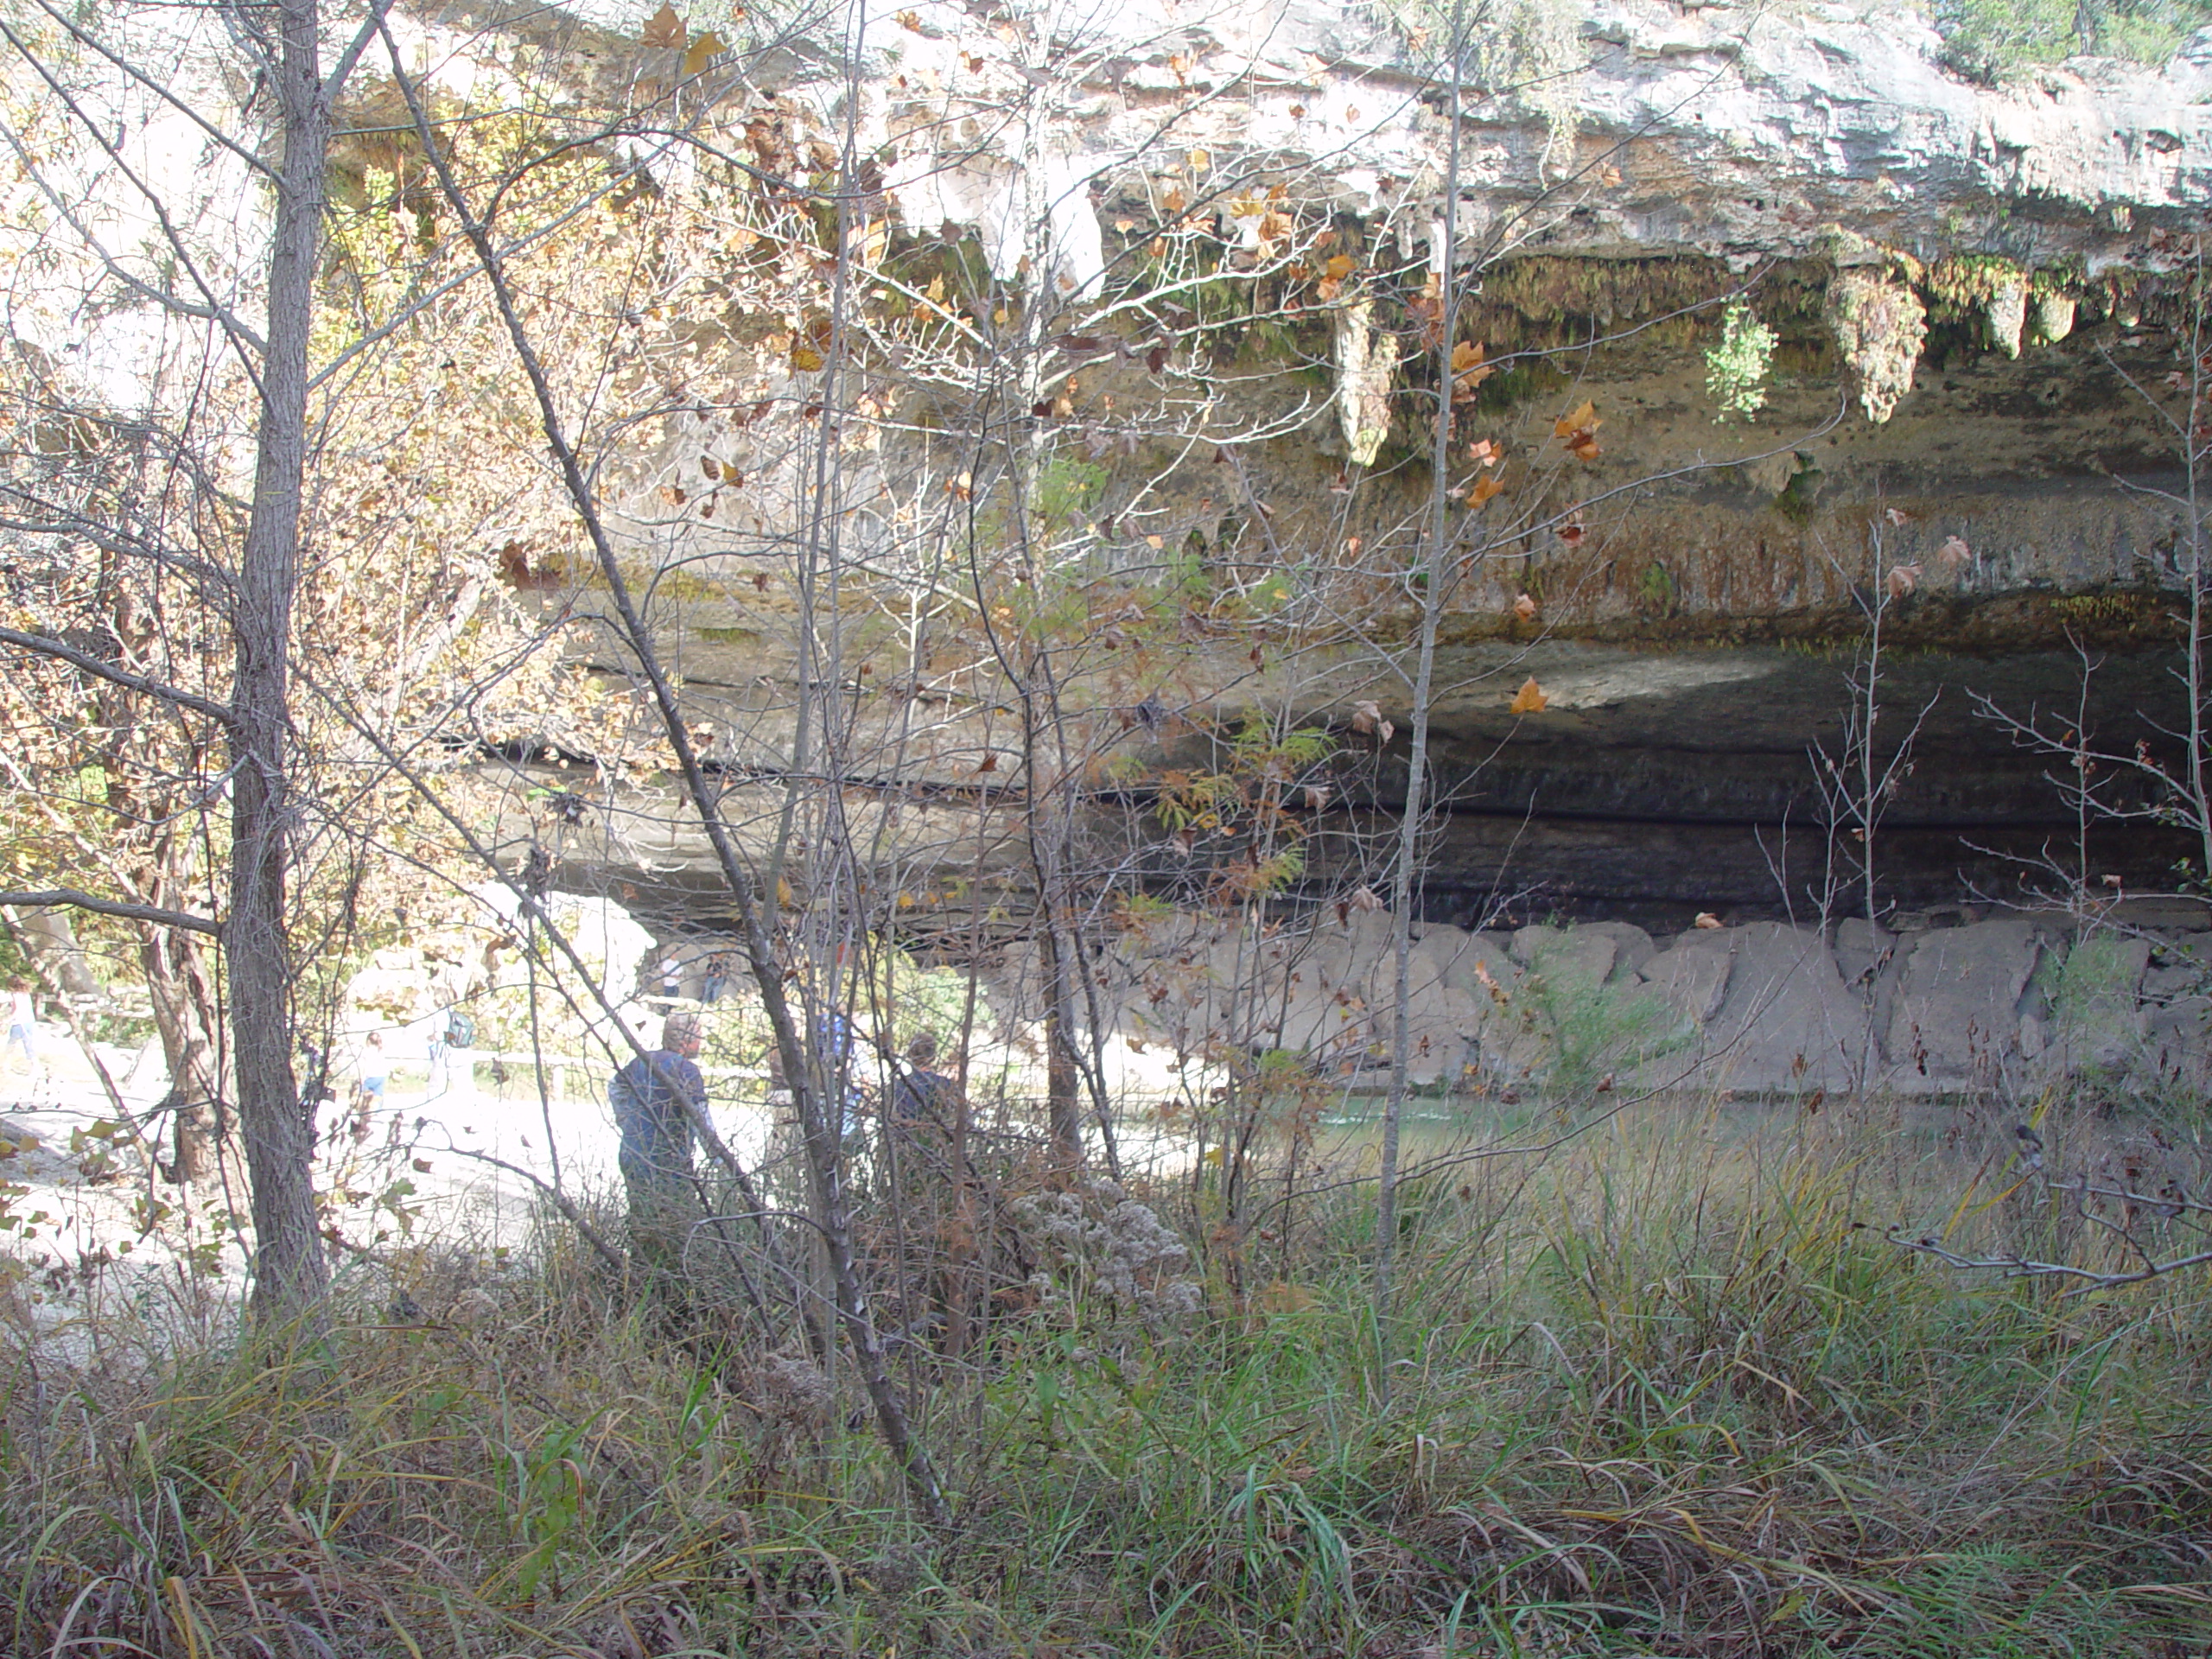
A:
[665,30]
[1525,608]
[1529,699]
[1954,553]
[1705,919]
[1902,579]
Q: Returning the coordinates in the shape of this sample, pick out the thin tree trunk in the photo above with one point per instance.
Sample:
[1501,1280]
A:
[1435,570]
[290,1273]
[178,991]
[818,1118]
[1063,1112]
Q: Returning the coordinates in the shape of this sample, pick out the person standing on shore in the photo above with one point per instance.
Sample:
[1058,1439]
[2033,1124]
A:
[22,1022]
[654,1098]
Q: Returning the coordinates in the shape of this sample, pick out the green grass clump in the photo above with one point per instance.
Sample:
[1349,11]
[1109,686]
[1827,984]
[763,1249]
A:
[1669,1390]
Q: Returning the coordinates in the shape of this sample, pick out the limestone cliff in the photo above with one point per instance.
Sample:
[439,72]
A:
[1966,287]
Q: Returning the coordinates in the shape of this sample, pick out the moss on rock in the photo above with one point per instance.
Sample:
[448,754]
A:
[1879,327]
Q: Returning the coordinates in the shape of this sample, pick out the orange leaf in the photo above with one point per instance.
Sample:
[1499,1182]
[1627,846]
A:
[1529,699]
[1468,370]
[1525,608]
[1486,487]
[1707,920]
[1578,432]
[1572,534]
[1340,266]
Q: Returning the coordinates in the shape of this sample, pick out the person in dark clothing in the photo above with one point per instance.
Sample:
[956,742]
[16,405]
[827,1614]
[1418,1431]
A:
[654,1097]
[924,1093]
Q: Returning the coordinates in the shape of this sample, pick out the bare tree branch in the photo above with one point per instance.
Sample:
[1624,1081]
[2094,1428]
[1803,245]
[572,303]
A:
[154,914]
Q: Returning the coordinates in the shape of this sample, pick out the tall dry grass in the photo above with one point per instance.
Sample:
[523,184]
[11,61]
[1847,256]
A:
[1669,1390]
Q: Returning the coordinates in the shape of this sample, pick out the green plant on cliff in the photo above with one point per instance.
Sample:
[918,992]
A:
[1736,369]
[1984,38]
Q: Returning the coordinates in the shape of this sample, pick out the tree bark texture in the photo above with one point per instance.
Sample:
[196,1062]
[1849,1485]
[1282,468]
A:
[290,1273]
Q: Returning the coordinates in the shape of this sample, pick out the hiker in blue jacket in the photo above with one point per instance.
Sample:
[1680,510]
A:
[654,1097]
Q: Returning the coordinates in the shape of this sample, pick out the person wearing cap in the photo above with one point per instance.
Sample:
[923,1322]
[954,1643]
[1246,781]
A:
[654,1098]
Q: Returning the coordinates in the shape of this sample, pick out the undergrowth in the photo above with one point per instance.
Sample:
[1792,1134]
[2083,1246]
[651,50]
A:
[1668,1391]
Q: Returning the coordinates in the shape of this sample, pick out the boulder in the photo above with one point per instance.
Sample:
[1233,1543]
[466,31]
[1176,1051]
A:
[1787,1020]
[2176,1041]
[1691,976]
[2091,1021]
[1632,946]
[1957,1013]
[1862,951]
[1583,954]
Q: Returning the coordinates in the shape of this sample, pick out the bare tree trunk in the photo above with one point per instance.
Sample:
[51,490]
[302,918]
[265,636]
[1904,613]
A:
[1064,1111]
[184,1019]
[1436,571]
[290,1273]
